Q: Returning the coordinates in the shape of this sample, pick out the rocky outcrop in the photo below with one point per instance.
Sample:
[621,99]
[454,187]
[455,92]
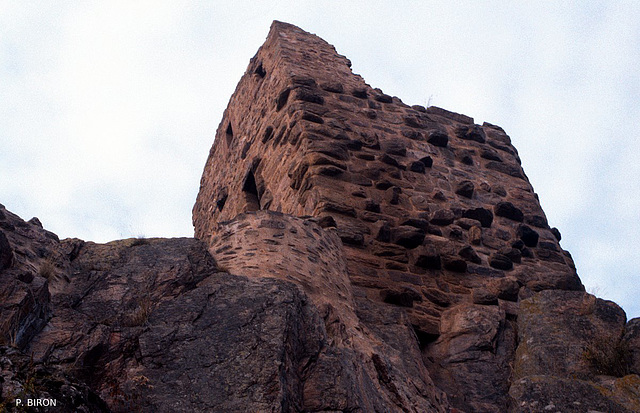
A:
[572,355]
[632,339]
[155,325]
[22,380]
[557,328]
[29,262]
[471,358]
[357,366]
[351,253]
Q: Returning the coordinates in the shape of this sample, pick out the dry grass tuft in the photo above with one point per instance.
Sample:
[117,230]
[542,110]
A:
[48,270]
[140,315]
[139,241]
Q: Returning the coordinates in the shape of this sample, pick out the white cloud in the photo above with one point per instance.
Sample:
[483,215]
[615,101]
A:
[108,109]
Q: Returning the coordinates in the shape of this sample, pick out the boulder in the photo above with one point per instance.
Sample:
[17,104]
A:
[438,138]
[442,217]
[500,262]
[558,327]
[528,236]
[469,254]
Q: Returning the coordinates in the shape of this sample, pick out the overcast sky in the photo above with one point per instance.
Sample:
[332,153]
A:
[108,109]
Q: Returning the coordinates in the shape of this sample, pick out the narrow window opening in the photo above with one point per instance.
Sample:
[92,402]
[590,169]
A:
[250,191]
[221,202]
[229,134]
[260,71]
[282,99]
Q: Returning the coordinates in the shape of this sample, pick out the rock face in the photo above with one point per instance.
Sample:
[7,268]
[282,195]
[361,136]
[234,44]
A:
[572,355]
[24,379]
[155,325]
[29,260]
[351,253]
[304,136]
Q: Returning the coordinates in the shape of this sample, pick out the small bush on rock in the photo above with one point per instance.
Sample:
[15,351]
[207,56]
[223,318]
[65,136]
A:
[140,314]
[48,270]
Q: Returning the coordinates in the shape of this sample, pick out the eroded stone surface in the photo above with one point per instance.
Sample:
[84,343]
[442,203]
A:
[22,378]
[470,360]
[30,260]
[632,337]
[554,328]
[564,336]
[538,394]
[430,207]
[154,325]
[353,253]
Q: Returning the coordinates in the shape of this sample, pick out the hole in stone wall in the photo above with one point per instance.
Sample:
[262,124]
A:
[245,149]
[282,99]
[220,203]
[229,134]
[279,136]
[268,134]
[425,339]
[260,71]
[251,193]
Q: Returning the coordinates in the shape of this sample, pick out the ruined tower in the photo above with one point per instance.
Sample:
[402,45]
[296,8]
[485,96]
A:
[429,206]
[434,215]
[353,254]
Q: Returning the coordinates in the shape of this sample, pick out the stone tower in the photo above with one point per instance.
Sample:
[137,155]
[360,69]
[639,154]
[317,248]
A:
[373,206]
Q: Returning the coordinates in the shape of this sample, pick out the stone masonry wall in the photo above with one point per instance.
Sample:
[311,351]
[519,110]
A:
[354,254]
[425,201]
[266,244]
[434,212]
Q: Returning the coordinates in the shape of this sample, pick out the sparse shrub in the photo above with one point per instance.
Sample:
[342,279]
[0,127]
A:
[140,240]
[48,270]
[140,315]
[597,290]
[30,388]
[608,355]
[141,380]
[222,268]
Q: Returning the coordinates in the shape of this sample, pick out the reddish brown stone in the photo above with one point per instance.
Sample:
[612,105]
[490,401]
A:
[347,259]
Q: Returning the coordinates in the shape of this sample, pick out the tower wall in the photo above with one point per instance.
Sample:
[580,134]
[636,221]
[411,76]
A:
[432,209]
